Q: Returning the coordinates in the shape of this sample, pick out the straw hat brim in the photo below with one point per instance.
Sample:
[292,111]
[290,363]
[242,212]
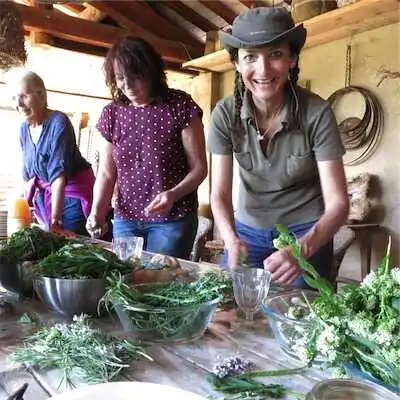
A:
[296,35]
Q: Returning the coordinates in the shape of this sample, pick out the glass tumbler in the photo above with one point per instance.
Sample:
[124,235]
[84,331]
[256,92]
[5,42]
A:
[128,247]
[250,288]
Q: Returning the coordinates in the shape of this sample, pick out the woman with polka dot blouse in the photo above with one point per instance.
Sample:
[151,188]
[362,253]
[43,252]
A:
[154,150]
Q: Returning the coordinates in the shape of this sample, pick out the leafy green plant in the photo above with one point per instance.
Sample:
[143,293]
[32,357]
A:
[78,349]
[311,275]
[81,261]
[168,309]
[359,326]
[245,387]
[30,244]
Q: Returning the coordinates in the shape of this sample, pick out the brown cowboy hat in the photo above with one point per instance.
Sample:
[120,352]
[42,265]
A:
[263,26]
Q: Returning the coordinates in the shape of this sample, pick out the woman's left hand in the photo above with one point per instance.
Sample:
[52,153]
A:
[161,204]
[283,267]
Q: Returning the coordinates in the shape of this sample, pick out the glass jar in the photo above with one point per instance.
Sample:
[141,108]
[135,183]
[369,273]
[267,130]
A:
[347,389]
[19,215]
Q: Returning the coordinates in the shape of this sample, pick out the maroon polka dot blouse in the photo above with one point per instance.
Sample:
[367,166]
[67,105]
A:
[149,154]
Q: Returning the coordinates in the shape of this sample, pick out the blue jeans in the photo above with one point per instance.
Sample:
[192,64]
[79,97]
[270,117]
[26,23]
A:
[259,246]
[173,238]
[73,218]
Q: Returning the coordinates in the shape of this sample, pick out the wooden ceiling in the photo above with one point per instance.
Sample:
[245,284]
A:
[176,28]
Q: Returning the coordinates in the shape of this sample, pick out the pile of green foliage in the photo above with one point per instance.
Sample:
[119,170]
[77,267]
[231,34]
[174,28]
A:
[169,309]
[81,261]
[358,326]
[30,244]
[80,350]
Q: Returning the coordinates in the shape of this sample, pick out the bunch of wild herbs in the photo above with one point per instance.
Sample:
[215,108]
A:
[78,350]
[359,326]
[30,244]
[244,386]
[168,309]
[81,261]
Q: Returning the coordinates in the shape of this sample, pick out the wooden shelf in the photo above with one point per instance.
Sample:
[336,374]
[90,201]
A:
[337,24]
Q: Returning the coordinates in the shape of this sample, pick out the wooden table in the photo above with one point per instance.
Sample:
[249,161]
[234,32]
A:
[180,365]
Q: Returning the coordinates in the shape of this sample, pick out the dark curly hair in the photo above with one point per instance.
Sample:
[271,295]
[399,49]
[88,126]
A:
[239,87]
[139,57]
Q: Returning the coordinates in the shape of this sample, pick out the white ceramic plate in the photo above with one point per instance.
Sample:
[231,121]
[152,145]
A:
[128,391]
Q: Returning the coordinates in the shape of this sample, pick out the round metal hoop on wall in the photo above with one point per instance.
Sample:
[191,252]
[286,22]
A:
[364,133]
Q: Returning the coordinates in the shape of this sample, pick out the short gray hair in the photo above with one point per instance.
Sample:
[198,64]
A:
[36,81]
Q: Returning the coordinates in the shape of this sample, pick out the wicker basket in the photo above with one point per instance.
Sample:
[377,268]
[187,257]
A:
[12,43]
[303,10]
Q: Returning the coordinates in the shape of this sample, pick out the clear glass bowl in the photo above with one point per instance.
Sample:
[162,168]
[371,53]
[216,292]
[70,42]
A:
[286,313]
[347,389]
[172,324]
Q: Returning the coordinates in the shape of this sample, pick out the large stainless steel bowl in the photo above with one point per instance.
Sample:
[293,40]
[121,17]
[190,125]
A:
[70,296]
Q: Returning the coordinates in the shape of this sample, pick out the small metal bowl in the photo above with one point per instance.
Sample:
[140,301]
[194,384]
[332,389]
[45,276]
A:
[70,296]
[339,389]
[17,278]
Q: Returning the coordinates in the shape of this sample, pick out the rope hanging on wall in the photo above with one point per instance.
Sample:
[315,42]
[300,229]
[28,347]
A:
[359,134]
[12,43]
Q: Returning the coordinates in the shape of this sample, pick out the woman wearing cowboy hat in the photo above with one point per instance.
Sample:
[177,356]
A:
[287,145]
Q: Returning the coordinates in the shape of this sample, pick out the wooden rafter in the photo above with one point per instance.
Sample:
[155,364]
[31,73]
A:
[190,15]
[92,33]
[77,8]
[220,9]
[102,51]
[142,14]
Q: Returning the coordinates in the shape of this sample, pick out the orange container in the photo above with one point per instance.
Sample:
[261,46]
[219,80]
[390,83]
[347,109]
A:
[19,209]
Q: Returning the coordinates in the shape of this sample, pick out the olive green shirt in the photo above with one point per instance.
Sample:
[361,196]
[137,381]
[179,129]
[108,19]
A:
[280,184]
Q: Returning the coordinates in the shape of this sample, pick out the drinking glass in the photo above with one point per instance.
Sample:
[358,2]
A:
[128,247]
[250,288]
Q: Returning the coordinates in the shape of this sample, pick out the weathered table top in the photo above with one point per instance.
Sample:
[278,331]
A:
[180,365]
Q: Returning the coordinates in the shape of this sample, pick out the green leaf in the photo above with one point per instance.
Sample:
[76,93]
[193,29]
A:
[396,303]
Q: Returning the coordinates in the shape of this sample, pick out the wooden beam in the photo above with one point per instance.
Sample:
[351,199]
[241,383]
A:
[39,4]
[81,31]
[91,13]
[343,22]
[101,52]
[220,9]
[141,14]
[135,29]
[190,15]
[75,7]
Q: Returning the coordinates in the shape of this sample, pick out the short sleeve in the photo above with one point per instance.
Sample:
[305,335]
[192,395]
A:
[187,109]
[326,141]
[105,124]
[219,140]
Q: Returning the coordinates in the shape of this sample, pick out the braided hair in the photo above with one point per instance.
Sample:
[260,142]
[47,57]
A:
[239,88]
[295,71]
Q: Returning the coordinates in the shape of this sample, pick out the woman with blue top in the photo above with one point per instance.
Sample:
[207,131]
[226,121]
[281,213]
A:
[59,180]
[287,145]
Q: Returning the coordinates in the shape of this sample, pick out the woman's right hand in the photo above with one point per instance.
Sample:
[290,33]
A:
[237,253]
[95,227]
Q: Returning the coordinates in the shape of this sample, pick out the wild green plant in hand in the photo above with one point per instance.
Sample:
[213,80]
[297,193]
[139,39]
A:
[78,349]
[311,275]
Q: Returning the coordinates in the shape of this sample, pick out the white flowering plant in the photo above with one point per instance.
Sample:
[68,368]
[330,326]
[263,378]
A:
[359,326]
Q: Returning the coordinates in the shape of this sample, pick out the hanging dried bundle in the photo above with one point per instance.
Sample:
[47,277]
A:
[12,44]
